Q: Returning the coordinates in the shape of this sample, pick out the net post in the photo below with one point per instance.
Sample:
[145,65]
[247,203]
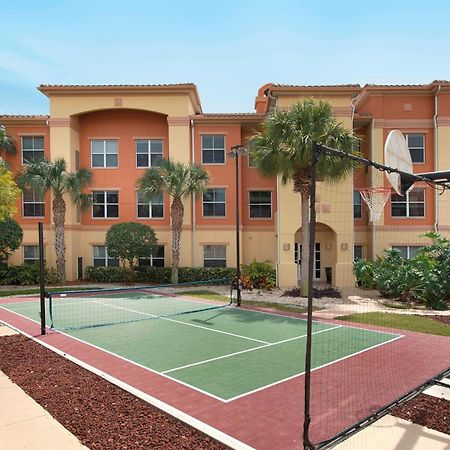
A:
[307,444]
[41,276]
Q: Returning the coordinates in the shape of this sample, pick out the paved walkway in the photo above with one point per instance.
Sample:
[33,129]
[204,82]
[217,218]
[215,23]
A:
[26,425]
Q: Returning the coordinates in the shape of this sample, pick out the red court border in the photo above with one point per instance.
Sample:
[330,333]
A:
[273,417]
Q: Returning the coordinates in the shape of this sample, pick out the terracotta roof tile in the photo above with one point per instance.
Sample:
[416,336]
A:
[190,85]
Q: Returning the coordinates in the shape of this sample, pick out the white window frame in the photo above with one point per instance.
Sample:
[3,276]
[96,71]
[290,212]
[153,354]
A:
[360,204]
[408,204]
[214,149]
[31,260]
[34,149]
[362,251]
[41,202]
[149,151]
[105,204]
[104,166]
[407,135]
[259,204]
[408,249]
[214,258]
[214,202]
[150,204]
[153,258]
[107,258]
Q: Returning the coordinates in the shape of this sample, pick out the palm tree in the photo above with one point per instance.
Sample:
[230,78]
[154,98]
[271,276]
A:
[179,181]
[51,176]
[283,148]
[6,142]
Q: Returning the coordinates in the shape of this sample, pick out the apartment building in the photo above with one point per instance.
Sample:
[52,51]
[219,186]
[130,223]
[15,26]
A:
[120,131]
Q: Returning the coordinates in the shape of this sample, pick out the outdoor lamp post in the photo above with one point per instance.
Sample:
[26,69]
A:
[236,151]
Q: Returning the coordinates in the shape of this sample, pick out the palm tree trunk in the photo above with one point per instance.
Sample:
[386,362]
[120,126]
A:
[304,269]
[59,218]
[176,213]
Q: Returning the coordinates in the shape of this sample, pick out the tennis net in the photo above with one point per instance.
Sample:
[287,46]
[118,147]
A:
[71,310]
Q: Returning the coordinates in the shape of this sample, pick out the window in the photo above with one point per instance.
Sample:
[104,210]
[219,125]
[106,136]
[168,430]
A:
[410,205]
[104,153]
[101,258]
[416,145]
[214,203]
[261,204]
[33,204]
[105,204]
[357,252]
[32,149]
[149,152]
[31,254]
[298,251]
[213,149]
[214,256]
[156,260]
[150,209]
[408,251]
[357,205]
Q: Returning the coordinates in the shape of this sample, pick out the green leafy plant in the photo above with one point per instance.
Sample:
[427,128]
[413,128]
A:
[258,275]
[25,275]
[364,273]
[11,235]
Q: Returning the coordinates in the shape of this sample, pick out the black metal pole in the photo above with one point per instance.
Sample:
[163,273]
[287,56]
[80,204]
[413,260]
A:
[307,444]
[238,243]
[42,275]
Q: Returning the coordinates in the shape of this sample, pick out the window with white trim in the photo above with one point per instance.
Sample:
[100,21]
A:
[33,204]
[214,256]
[416,145]
[155,260]
[101,258]
[357,252]
[152,209]
[104,153]
[105,204]
[410,205]
[408,251]
[213,149]
[32,149]
[260,204]
[214,202]
[357,205]
[149,152]
[31,254]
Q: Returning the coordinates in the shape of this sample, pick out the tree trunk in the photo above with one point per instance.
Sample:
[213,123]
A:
[305,245]
[176,214]
[59,218]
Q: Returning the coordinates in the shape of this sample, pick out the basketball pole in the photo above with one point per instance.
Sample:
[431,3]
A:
[41,275]
[307,444]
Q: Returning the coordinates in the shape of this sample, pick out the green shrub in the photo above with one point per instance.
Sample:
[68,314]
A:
[259,275]
[364,273]
[159,275]
[25,275]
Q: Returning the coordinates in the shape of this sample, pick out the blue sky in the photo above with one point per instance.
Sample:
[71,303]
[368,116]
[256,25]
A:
[227,48]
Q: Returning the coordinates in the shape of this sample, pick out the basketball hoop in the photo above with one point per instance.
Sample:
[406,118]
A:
[375,199]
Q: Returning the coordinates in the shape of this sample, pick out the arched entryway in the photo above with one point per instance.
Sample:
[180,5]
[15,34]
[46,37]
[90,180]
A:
[324,253]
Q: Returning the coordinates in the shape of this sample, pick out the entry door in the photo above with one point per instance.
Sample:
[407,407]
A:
[298,259]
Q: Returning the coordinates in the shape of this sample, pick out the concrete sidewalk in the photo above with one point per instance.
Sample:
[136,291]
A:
[26,425]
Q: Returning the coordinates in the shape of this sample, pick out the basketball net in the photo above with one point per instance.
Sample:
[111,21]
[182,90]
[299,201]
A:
[375,199]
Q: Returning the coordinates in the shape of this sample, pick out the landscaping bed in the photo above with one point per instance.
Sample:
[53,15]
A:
[98,413]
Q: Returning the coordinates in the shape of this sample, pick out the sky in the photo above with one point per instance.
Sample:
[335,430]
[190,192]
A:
[227,48]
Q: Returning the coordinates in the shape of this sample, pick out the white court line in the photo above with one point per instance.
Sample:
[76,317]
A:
[183,323]
[248,350]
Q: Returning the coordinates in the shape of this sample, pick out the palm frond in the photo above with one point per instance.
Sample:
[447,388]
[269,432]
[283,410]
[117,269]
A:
[7,143]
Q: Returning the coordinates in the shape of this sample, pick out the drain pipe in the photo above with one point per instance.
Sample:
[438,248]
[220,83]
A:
[372,184]
[193,199]
[436,158]
[277,265]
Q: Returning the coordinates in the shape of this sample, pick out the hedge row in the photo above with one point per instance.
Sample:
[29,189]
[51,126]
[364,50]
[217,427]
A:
[158,275]
[25,275]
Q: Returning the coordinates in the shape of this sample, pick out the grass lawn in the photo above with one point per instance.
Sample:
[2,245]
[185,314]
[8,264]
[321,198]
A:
[211,295]
[408,322]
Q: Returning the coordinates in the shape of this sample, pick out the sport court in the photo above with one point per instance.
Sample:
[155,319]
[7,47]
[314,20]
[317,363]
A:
[207,350]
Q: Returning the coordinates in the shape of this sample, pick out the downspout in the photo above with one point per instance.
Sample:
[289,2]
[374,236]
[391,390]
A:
[436,158]
[277,268]
[372,184]
[353,183]
[194,240]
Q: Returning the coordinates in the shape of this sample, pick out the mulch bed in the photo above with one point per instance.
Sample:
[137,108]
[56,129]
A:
[443,319]
[99,414]
[426,410]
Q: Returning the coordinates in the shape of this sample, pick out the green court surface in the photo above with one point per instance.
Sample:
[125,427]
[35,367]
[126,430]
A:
[225,353]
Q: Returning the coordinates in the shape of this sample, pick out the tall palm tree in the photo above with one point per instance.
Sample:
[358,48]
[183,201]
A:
[7,143]
[51,176]
[179,181]
[283,148]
